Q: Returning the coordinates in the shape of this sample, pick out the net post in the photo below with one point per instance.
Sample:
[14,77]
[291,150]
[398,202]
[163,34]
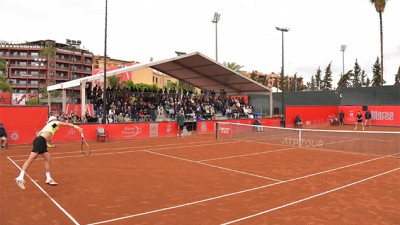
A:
[299,137]
[216,130]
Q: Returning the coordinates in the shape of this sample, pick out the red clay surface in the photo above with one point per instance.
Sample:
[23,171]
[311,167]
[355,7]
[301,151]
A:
[200,180]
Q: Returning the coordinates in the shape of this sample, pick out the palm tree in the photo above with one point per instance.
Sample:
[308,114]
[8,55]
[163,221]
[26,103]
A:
[48,52]
[4,86]
[233,66]
[380,7]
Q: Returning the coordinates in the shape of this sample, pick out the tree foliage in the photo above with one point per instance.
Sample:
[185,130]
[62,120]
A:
[397,77]
[318,79]
[345,80]
[233,66]
[376,74]
[327,81]
[357,75]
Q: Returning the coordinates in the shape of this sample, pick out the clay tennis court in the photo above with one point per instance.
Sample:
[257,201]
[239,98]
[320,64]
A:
[202,180]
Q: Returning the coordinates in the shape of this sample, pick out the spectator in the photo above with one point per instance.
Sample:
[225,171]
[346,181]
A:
[199,117]
[3,137]
[258,127]
[298,123]
[181,123]
[359,120]
[367,118]
[341,117]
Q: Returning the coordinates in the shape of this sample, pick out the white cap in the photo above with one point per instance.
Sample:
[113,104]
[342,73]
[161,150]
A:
[51,118]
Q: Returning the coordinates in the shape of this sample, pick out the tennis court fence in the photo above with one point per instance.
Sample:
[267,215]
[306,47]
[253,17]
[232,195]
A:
[365,142]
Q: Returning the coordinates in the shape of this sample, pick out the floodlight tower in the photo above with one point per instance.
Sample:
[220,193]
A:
[342,49]
[282,75]
[215,20]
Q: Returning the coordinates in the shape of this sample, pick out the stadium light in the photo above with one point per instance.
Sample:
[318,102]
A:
[39,62]
[215,20]
[342,49]
[282,76]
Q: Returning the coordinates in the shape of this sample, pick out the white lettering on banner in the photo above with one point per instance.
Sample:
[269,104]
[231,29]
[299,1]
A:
[226,130]
[131,131]
[71,132]
[308,143]
[376,115]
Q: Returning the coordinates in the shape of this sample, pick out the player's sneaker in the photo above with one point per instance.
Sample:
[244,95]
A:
[51,182]
[20,183]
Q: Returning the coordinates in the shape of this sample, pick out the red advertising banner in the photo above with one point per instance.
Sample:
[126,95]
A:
[381,115]
[119,131]
[23,122]
[209,126]
[311,115]
[5,98]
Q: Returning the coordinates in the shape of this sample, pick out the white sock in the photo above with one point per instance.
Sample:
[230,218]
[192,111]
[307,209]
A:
[21,175]
[48,177]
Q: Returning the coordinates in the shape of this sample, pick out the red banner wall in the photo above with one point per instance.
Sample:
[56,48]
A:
[311,115]
[119,131]
[208,126]
[23,122]
[381,115]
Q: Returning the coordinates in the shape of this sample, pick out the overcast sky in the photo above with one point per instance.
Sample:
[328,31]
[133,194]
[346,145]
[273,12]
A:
[139,30]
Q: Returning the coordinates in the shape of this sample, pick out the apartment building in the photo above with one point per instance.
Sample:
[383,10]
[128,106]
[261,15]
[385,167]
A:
[146,75]
[38,64]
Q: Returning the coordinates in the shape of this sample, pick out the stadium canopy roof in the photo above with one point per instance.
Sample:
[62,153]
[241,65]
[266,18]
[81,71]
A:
[194,68]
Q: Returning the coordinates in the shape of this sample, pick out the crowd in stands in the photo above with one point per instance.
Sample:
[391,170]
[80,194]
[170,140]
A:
[130,105]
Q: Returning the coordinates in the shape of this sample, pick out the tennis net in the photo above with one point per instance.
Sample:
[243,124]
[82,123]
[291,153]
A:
[366,142]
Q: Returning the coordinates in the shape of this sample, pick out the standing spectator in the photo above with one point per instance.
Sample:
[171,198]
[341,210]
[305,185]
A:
[359,120]
[341,117]
[3,137]
[367,118]
[181,123]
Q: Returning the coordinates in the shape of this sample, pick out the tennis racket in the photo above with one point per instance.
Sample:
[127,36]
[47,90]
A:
[85,146]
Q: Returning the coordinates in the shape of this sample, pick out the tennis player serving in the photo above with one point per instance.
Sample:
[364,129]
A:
[40,148]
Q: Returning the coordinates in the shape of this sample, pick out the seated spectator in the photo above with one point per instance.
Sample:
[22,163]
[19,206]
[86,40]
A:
[127,119]
[199,117]
[3,137]
[298,123]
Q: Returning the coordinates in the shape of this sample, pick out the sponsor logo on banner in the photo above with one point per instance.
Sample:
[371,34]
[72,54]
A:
[154,130]
[14,136]
[169,128]
[203,127]
[376,115]
[131,131]
[18,99]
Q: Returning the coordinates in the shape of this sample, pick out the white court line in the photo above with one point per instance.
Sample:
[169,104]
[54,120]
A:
[219,167]
[123,152]
[233,193]
[131,147]
[310,197]
[245,155]
[45,193]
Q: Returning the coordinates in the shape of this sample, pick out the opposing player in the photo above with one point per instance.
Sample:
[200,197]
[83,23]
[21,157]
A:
[40,148]
[359,120]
